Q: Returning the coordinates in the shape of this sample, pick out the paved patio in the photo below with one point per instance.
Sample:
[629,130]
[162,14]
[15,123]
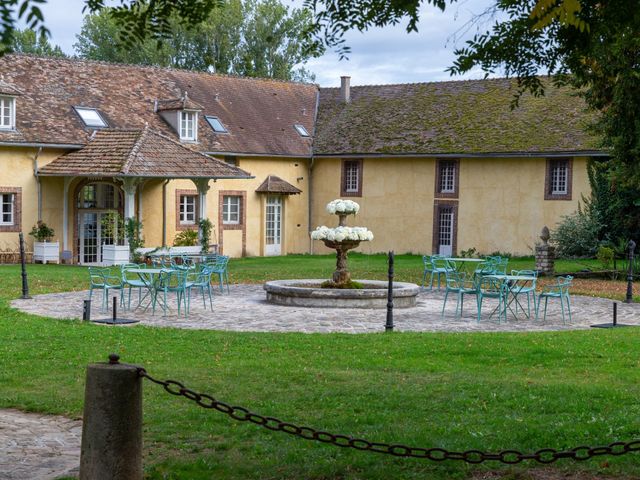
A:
[245,309]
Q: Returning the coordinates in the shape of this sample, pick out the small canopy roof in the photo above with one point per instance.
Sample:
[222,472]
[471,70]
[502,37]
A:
[273,184]
[183,103]
[139,153]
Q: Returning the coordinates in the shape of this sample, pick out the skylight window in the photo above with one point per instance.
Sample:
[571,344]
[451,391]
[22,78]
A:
[91,117]
[215,124]
[301,130]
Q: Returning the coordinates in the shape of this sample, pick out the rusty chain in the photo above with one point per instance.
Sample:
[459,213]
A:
[241,414]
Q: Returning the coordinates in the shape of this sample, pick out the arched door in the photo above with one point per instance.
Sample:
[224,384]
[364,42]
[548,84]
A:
[96,205]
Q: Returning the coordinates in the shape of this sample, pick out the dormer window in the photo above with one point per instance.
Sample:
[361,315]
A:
[7,113]
[188,125]
[91,117]
[215,124]
[301,130]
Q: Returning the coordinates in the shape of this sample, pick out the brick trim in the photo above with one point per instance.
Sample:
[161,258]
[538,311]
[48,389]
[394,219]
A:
[343,177]
[547,179]
[232,226]
[186,226]
[438,178]
[17,210]
[437,206]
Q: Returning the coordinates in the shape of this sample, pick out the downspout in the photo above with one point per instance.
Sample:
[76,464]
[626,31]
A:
[38,186]
[164,213]
[311,162]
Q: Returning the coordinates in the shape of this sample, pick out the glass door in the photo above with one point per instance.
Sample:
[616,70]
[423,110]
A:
[273,225]
[445,231]
[89,238]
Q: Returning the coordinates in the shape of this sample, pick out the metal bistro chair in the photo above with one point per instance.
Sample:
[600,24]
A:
[433,265]
[528,290]
[220,269]
[458,284]
[489,287]
[133,280]
[101,278]
[202,280]
[171,281]
[559,290]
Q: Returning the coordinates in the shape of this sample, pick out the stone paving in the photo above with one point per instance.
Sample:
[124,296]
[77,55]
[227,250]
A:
[45,447]
[38,447]
[245,309]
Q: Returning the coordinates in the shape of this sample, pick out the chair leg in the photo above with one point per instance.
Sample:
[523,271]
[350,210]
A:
[226,279]
[562,309]
[546,299]
[446,294]
[479,302]
[210,301]
[424,278]
[569,308]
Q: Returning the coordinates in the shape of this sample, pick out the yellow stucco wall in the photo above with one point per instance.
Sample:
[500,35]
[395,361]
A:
[501,204]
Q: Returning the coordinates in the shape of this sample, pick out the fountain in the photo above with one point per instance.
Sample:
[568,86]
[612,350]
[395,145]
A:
[340,291]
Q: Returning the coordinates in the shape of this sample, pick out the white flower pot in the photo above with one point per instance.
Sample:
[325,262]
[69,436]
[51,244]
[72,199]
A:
[115,254]
[46,252]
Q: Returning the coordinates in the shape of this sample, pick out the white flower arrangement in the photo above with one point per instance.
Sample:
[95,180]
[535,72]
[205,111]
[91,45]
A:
[340,234]
[347,207]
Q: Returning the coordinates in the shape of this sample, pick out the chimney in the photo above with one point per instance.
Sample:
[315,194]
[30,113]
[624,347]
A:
[345,89]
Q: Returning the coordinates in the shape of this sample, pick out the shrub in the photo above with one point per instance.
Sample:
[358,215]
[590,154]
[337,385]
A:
[469,253]
[186,238]
[41,232]
[577,235]
[605,257]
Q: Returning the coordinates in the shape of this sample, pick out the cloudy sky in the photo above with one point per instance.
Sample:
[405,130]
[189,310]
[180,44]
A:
[388,55]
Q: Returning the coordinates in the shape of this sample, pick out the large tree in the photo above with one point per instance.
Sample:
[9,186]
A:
[250,38]
[28,41]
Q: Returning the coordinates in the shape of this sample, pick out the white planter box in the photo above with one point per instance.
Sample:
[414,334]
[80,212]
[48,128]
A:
[115,254]
[46,252]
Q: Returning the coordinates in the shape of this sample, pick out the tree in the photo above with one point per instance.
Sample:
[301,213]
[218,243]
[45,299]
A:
[254,38]
[27,41]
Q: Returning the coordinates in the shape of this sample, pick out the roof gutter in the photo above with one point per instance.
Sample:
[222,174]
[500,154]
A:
[149,177]
[249,154]
[577,153]
[64,146]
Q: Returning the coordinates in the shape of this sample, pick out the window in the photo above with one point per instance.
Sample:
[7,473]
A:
[447,178]
[91,117]
[7,209]
[231,209]
[187,209]
[231,160]
[7,113]
[301,130]
[351,178]
[215,124]
[558,179]
[188,125]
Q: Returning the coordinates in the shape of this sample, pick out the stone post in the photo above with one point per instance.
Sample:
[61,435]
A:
[545,254]
[112,425]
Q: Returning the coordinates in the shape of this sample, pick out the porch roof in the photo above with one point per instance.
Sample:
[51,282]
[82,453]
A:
[139,153]
[273,184]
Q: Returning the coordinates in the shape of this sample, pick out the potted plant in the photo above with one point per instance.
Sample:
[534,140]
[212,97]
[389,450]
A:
[44,250]
[114,249]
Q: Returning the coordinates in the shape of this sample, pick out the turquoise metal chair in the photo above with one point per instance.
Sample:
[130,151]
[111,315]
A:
[102,278]
[202,280]
[433,265]
[458,284]
[132,280]
[171,281]
[559,290]
[220,269]
[529,290]
[501,265]
[489,287]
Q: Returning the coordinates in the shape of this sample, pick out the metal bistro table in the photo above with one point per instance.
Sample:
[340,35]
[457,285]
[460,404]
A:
[149,277]
[464,264]
[515,284]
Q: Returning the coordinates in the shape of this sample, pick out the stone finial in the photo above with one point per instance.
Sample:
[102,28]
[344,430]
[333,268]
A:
[544,235]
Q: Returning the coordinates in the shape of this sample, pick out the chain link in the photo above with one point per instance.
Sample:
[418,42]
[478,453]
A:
[241,414]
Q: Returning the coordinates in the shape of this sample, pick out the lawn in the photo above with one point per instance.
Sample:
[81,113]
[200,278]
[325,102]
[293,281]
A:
[455,391]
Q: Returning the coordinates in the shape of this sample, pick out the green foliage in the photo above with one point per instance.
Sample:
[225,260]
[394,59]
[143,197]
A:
[605,256]
[133,228]
[28,41]
[42,232]
[577,235]
[186,238]
[256,38]
[350,285]
[113,229]
[469,253]
[205,234]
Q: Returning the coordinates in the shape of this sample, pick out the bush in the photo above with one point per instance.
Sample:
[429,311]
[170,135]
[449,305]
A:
[577,235]
[605,257]
[186,238]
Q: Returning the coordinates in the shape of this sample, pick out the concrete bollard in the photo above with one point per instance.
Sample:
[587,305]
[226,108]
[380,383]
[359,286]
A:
[112,426]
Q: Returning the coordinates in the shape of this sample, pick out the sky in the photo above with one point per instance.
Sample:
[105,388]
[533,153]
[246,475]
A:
[378,56]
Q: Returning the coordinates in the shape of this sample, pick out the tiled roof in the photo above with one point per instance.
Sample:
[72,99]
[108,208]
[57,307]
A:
[450,117]
[183,103]
[8,89]
[139,153]
[259,113]
[273,184]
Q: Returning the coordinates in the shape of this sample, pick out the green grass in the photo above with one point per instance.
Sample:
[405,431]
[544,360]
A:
[456,391]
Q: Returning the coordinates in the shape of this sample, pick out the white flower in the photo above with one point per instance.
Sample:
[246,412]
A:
[343,207]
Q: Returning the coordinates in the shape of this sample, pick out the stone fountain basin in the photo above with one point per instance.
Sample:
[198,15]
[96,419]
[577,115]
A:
[307,293]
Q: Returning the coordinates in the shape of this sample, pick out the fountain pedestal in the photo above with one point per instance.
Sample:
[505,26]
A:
[342,275]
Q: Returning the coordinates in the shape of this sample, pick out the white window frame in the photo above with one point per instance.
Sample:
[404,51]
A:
[188,125]
[7,122]
[352,176]
[99,123]
[231,209]
[187,201]
[301,130]
[447,177]
[12,213]
[211,119]
[559,176]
